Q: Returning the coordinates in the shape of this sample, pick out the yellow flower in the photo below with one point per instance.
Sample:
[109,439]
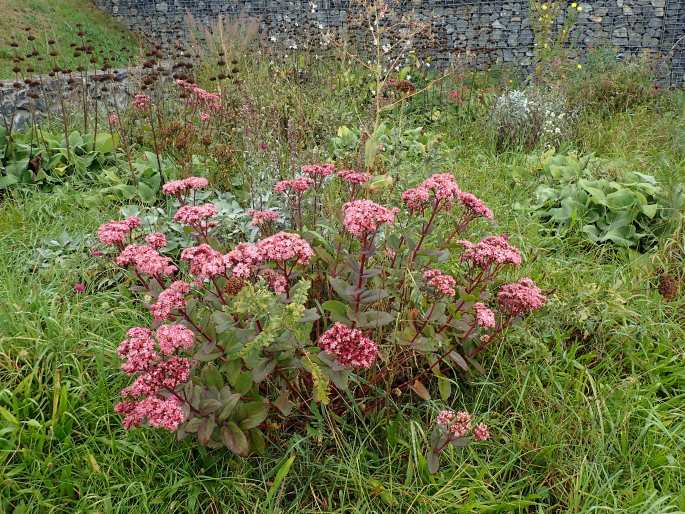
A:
[579,66]
[544,7]
[580,8]
[574,5]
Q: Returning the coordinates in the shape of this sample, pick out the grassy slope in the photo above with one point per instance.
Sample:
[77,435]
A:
[57,19]
[582,422]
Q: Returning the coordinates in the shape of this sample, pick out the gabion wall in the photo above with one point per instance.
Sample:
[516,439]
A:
[491,31]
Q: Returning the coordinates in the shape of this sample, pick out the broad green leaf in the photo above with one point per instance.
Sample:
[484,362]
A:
[206,430]
[283,403]
[146,193]
[650,210]
[342,288]
[229,403]
[433,461]
[17,168]
[7,181]
[234,439]
[621,199]
[445,388]
[104,143]
[256,414]
[336,307]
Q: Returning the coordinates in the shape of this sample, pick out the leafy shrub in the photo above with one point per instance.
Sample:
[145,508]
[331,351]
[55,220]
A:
[387,147]
[607,84]
[44,159]
[627,210]
[525,118]
[262,333]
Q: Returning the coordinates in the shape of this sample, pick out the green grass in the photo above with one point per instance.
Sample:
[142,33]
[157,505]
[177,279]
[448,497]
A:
[586,399]
[58,20]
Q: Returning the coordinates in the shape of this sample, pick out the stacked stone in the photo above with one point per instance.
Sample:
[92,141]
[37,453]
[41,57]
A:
[480,32]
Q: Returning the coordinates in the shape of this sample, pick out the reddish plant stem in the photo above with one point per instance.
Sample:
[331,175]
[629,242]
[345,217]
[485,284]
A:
[184,313]
[424,232]
[500,330]
[184,400]
[218,290]
[461,226]
[337,253]
[360,279]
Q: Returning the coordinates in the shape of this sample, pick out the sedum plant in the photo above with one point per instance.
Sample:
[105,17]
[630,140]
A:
[248,337]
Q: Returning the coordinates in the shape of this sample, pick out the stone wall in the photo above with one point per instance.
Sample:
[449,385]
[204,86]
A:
[18,105]
[491,31]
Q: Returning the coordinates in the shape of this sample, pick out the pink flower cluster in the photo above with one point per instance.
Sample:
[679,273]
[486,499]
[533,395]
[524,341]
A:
[174,337]
[205,261]
[458,424]
[349,346]
[160,412]
[114,232]
[156,239]
[440,281]
[141,102]
[146,260]
[276,281]
[285,246]
[244,259]
[113,118]
[180,187]
[199,96]
[416,199]
[318,170]
[163,376]
[173,297]
[138,350]
[484,317]
[297,185]
[157,377]
[491,250]
[442,185]
[354,177]
[481,432]
[475,205]
[262,217]
[520,297]
[196,216]
[363,217]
